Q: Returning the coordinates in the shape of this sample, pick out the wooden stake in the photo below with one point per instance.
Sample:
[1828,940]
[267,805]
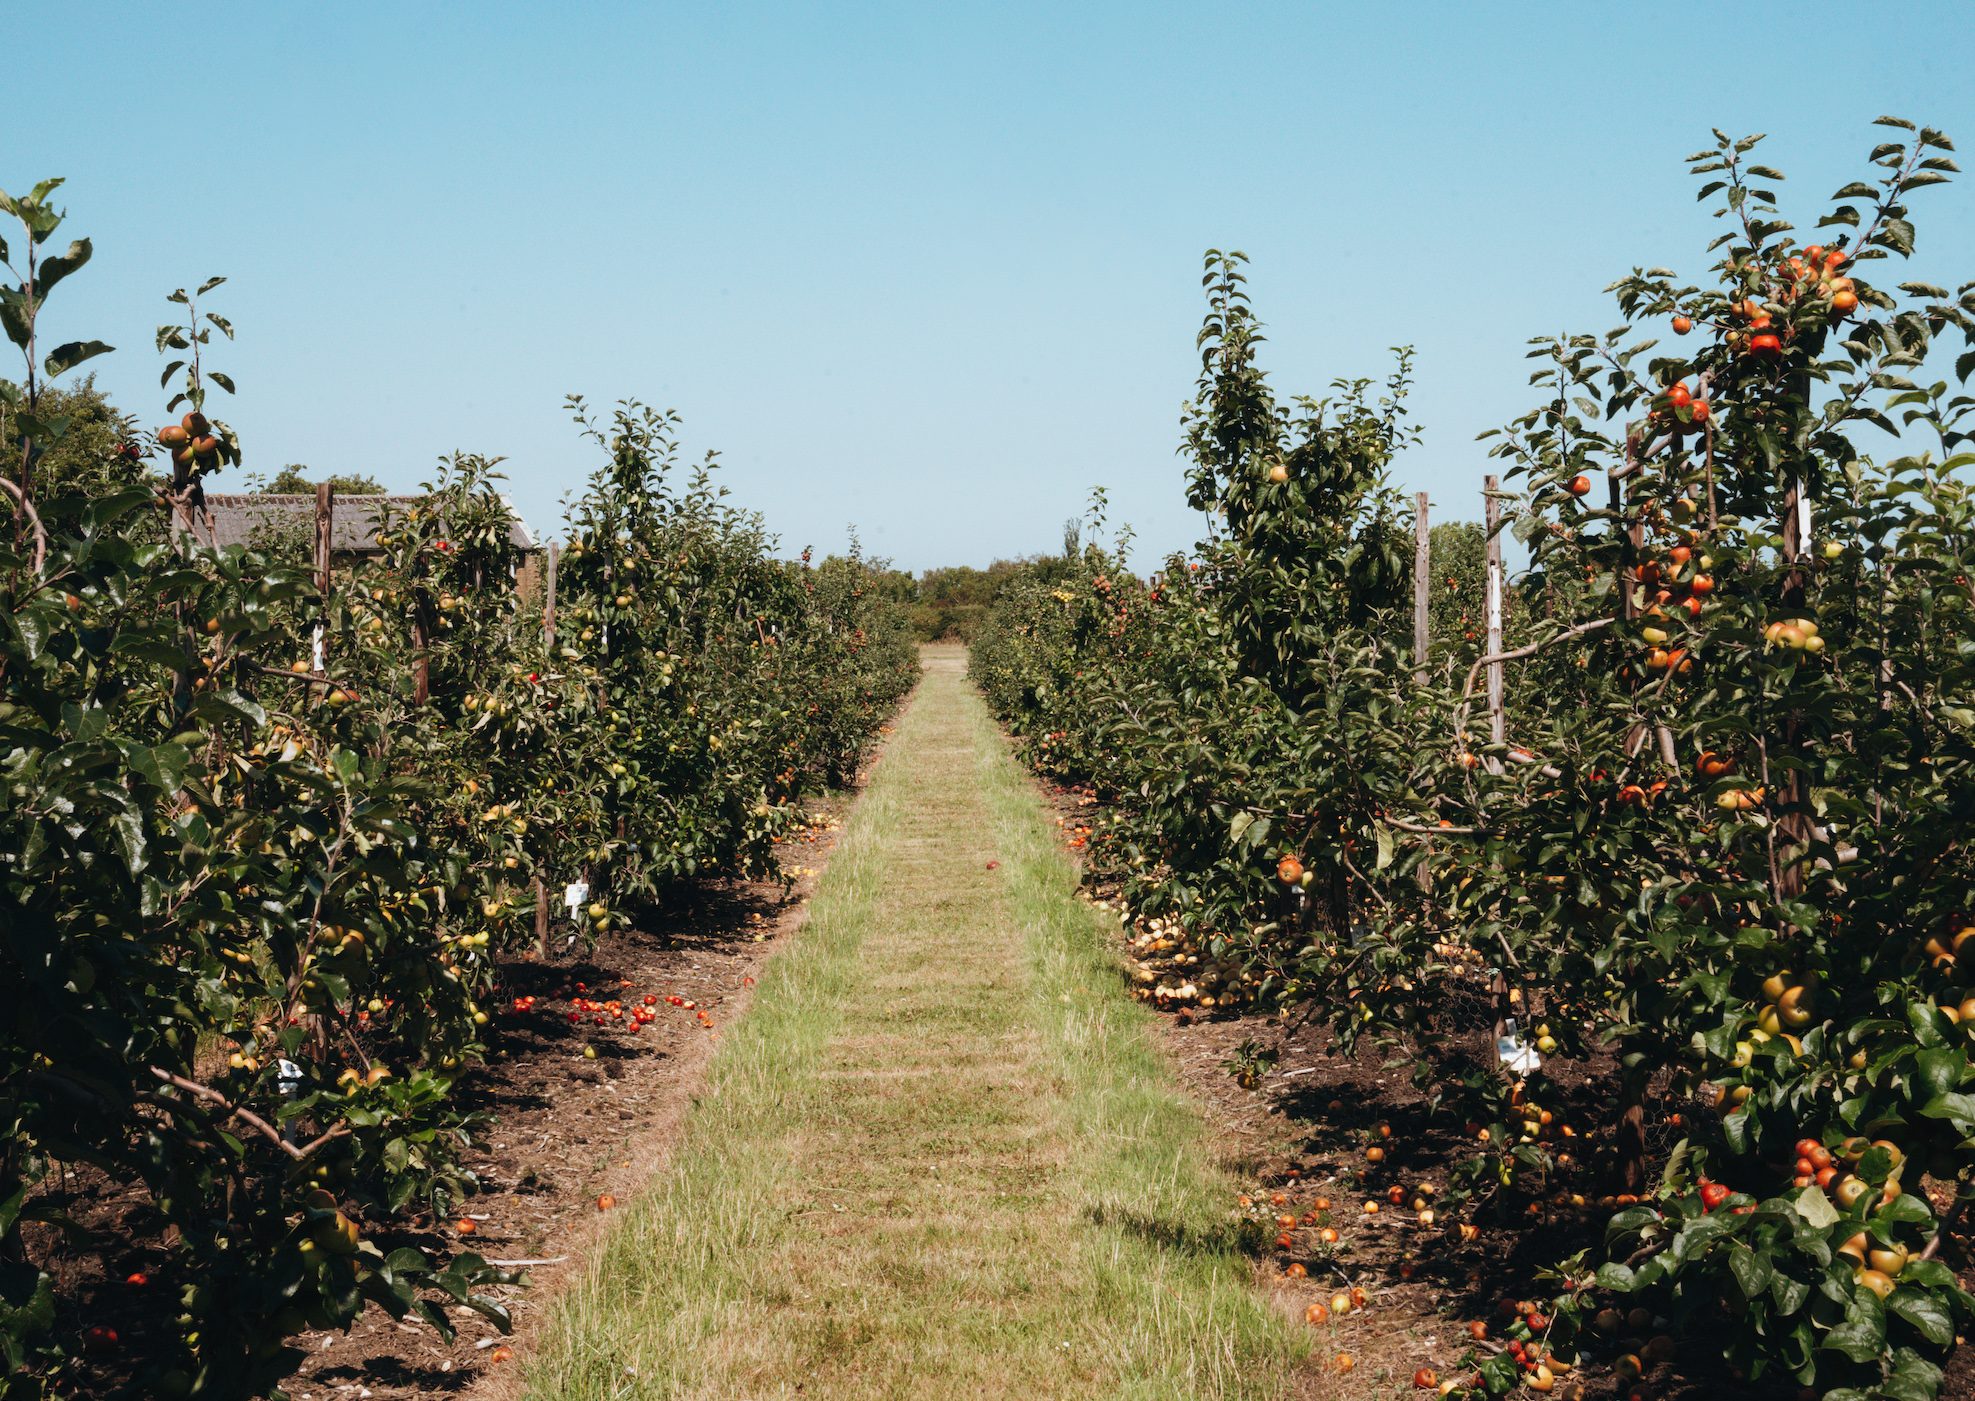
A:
[1498,726]
[421,641]
[548,600]
[325,516]
[1792,831]
[1422,584]
[1632,1098]
[1422,637]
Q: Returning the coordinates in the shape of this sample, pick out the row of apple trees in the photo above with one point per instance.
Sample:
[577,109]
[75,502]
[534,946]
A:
[265,845]
[1723,838]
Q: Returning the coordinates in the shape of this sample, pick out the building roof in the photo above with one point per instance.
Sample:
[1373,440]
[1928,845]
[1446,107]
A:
[352,523]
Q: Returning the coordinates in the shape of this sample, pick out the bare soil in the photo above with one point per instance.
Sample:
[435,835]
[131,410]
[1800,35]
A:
[565,1134]
[1298,1136]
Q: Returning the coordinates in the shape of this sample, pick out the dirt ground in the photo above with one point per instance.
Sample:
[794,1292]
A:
[1295,1145]
[569,1133]
[566,1133]
[568,1130]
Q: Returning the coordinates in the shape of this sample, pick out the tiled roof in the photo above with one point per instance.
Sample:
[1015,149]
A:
[352,523]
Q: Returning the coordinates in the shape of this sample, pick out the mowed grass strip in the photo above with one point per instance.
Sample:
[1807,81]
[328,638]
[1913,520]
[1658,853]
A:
[940,1155]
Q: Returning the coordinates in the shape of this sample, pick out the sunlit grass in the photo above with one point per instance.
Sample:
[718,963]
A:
[940,1156]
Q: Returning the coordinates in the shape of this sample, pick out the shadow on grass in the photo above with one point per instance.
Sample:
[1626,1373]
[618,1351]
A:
[1165,1232]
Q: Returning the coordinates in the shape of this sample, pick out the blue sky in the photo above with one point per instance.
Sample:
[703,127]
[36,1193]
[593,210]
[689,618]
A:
[932,270]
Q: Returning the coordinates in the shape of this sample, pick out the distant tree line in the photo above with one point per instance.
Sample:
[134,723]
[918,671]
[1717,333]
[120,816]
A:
[102,451]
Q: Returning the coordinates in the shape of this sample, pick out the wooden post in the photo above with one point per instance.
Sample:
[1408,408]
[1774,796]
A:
[548,648]
[1629,559]
[1422,639]
[325,515]
[1792,831]
[421,641]
[548,601]
[1632,1089]
[1492,518]
[1498,729]
[1422,584]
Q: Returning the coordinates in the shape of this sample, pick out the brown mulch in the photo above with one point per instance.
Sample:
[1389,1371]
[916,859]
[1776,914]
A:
[564,1131]
[1300,1135]
[567,1130]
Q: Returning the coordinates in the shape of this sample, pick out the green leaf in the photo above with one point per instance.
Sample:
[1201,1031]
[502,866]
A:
[1930,1274]
[1752,1272]
[234,704]
[53,270]
[1921,1017]
[10,1210]
[1914,1378]
[1926,1313]
[492,1310]
[1815,1208]
[1788,1294]
[1958,1109]
[1907,1209]
[1940,1069]
[13,315]
[1615,1276]
[1862,1336]
[64,358]
[127,832]
[163,767]
[34,628]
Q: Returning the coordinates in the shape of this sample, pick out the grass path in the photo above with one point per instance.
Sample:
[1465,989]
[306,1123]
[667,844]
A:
[940,1156]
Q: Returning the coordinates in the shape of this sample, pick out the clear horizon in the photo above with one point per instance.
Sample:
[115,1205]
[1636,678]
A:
[930,274]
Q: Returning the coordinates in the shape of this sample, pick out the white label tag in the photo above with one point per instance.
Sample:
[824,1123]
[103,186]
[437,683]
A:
[1517,1054]
[575,894]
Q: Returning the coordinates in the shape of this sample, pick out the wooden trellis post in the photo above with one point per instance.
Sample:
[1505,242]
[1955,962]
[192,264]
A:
[325,516]
[1422,584]
[1422,638]
[421,641]
[1632,1090]
[548,599]
[548,647]
[1498,726]
[1793,830]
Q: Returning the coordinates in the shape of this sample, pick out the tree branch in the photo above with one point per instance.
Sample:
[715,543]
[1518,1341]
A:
[1424,830]
[34,522]
[248,1116]
[1517,654]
